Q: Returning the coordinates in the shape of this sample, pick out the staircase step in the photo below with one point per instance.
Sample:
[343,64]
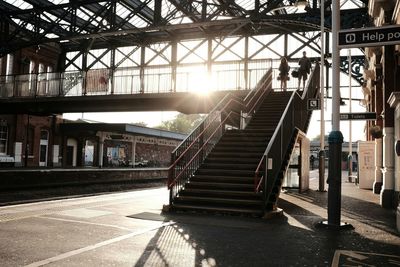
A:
[217,200]
[230,159]
[243,173]
[250,132]
[230,166]
[243,154]
[266,121]
[223,179]
[249,187]
[218,209]
[221,193]
[236,143]
[241,149]
[246,132]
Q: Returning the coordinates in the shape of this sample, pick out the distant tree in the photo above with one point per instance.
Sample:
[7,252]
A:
[182,123]
[140,123]
[317,138]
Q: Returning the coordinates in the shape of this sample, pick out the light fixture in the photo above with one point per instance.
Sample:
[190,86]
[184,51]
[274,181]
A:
[301,4]
[298,5]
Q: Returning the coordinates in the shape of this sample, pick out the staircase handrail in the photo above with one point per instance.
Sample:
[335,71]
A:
[294,116]
[205,136]
[204,125]
[201,148]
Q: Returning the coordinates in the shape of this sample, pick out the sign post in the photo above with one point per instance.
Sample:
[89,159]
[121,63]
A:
[358,116]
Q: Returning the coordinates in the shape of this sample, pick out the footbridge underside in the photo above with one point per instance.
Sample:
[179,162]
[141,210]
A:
[184,102]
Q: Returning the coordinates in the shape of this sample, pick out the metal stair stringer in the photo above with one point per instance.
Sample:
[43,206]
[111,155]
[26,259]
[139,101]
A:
[273,165]
[224,182]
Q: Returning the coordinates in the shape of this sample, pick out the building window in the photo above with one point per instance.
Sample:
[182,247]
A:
[3,137]
[44,142]
[44,135]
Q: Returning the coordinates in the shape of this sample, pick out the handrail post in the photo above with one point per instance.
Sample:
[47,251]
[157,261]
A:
[61,84]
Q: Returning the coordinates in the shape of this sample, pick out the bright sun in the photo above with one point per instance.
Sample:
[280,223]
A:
[199,81]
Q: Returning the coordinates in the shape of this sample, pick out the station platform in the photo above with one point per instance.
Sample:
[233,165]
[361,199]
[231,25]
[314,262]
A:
[129,229]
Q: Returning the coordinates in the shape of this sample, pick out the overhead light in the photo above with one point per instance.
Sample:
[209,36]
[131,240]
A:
[298,5]
[301,4]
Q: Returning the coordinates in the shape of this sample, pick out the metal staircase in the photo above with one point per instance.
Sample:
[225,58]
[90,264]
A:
[224,182]
[222,167]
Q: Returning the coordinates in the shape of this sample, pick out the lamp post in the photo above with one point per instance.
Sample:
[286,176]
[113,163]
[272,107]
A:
[350,156]
[335,137]
[321,154]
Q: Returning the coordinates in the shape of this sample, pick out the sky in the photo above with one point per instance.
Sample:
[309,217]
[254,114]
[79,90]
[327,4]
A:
[152,119]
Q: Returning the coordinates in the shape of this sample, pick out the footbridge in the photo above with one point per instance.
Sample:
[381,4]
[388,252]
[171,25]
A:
[106,90]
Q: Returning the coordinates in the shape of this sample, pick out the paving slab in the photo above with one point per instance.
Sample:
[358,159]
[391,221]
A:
[129,229]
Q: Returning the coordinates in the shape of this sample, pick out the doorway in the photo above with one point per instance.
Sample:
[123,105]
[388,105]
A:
[43,150]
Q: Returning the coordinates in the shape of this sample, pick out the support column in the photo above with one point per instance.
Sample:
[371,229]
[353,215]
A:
[56,156]
[246,62]
[101,149]
[378,105]
[209,56]
[18,154]
[133,152]
[387,192]
[174,64]
[378,166]
[335,139]
[142,65]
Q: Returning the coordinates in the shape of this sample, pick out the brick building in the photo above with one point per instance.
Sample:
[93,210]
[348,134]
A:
[117,145]
[50,141]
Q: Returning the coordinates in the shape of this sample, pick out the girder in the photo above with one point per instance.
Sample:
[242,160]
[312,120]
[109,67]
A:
[140,22]
[356,65]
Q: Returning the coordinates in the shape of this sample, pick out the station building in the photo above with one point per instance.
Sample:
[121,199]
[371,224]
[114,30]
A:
[51,141]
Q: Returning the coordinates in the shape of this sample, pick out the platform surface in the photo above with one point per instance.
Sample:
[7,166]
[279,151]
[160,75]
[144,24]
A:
[129,229]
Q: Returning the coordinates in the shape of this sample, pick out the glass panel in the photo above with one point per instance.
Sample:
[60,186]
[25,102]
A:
[292,176]
[44,135]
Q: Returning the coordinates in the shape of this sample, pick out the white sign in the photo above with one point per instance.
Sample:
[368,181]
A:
[373,36]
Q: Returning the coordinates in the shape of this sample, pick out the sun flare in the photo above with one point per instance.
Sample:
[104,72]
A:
[199,81]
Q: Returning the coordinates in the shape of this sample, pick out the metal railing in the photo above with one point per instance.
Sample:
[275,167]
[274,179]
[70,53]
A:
[296,116]
[231,75]
[189,155]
